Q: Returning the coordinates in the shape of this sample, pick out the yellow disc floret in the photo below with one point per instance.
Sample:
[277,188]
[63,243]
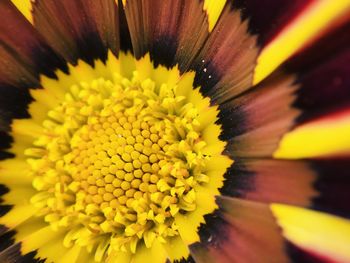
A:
[120,159]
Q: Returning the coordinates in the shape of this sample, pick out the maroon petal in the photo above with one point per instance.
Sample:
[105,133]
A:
[225,64]
[87,30]
[254,123]
[333,186]
[268,17]
[323,73]
[24,54]
[271,181]
[241,231]
[317,184]
[172,31]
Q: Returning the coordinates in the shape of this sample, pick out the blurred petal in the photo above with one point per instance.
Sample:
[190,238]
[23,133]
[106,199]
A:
[268,17]
[324,85]
[311,22]
[254,122]
[245,231]
[323,137]
[332,183]
[267,181]
[325,235]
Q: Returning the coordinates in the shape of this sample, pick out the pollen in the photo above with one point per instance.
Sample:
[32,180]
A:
[119,160]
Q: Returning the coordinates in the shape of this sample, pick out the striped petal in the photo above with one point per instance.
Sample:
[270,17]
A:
[24,54]
[254,122]
[242,231]
[225,64]
[268,181]
[89,27]
[314,20]
[327,136]
[172,31]
[316,184]
[324,235]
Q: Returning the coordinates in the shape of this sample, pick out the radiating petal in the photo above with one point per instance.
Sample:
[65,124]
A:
[323,137]
[172,31]
[326,235]
[254,122]
[268,17]
[24,54]
[89,27]
[314,19]
[243,231]
[225,64]
[268,181]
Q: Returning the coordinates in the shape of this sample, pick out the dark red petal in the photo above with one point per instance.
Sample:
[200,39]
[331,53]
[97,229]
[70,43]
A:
[12,254]
[105,14]
[268,17]
[333,185]
[75,28]
[254,123]
[303,256]
[24,54]
[325,87]
[125,39]
[271,181]
[172,31]
[242,231]
[226,62]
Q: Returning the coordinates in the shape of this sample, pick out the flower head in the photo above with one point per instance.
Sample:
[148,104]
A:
[181,131]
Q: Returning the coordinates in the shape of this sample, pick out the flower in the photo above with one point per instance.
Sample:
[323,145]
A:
[178,130]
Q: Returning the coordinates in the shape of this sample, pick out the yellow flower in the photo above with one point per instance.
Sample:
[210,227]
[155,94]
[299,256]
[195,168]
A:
[174,131]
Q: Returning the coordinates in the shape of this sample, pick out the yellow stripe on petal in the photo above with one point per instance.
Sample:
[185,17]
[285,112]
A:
[320,138]
[213,9]
[307,26]
[25,6]
[324,234]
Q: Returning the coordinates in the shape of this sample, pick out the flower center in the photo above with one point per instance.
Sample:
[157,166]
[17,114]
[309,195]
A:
[119,160]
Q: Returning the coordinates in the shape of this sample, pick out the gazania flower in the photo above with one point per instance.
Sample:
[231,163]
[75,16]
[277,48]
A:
[174,131]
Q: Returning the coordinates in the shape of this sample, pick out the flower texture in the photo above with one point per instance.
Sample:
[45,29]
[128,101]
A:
[174,131]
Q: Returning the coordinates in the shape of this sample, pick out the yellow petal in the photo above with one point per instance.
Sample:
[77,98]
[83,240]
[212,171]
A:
[39,239]
[17,215]
[71,256]
[307,26]
[213,9]
[25,6]
[155,254]
[324,234]
[176,249]
[319,138]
